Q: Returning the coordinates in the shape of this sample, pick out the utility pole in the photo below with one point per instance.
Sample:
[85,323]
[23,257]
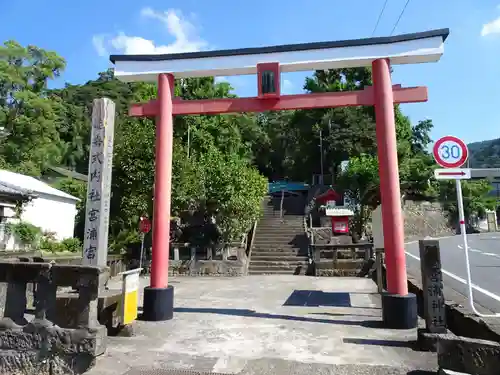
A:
[189,140]
[321,153]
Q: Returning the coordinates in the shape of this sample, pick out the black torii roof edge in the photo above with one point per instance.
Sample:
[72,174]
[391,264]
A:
[443,33]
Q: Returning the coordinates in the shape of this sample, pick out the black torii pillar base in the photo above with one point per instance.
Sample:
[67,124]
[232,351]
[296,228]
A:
[399,312]
[158,304]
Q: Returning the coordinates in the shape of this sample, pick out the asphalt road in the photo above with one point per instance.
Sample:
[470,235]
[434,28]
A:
[484,256]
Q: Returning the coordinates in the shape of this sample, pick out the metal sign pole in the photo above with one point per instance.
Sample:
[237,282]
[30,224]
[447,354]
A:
[142,249]
[463,232]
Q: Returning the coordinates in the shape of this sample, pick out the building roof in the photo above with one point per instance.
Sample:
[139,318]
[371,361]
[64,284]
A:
[7,189]
[68,173]
[329,195]
[400,49]
[19,182]
[278,186]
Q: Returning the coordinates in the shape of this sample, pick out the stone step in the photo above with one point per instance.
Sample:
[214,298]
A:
[277,258]
[285,216]
[274,253]
[287,243]
[277,248]
[275,219]
[280,229]
[277,262]
[275,241]
[277,236]
[274,272]
[276,267]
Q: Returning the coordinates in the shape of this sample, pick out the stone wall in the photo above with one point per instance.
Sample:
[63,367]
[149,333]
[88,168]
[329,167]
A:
[422,219]
[230,261]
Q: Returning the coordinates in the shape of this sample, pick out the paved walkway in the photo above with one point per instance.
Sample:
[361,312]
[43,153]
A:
[268,325]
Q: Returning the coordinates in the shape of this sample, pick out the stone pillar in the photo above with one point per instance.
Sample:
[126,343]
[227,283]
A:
[95,246]
[434,302]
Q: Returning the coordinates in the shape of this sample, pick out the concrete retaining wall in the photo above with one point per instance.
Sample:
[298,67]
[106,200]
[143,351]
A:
[422,219]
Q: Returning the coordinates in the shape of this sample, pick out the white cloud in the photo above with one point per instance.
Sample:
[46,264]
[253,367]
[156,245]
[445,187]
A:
[184,34]
[220,79]
[286,86]
[492,27]
[98,42]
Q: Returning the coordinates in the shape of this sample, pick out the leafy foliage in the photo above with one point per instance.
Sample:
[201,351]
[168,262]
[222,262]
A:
[474,195]
[26,233]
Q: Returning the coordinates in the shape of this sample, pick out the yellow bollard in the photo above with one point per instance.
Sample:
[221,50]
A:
[130,295]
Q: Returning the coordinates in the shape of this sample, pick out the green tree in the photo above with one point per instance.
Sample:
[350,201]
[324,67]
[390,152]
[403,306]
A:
[233,192]
[28,117]
[360,183]
[475,198]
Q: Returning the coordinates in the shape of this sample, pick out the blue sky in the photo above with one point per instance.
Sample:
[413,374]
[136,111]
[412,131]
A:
[463,86]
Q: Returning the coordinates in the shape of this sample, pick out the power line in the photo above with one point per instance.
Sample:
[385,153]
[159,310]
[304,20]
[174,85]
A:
[379,17]
[400,15]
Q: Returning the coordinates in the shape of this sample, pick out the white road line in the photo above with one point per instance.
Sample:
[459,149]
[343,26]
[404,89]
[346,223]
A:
[463,281]
[490,254]
[470,249]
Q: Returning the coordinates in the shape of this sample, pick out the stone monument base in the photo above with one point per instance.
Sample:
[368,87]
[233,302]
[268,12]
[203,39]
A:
[67,307]
[41,349]
[399,312]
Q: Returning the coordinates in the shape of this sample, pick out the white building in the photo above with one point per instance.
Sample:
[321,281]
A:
[52,210]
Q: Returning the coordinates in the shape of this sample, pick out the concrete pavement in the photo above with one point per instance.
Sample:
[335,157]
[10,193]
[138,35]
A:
[484,255]
[279,324]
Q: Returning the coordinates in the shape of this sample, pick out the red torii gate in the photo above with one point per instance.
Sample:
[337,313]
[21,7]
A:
[399,307]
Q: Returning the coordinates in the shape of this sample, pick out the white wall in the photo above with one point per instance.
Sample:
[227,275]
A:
[51,214]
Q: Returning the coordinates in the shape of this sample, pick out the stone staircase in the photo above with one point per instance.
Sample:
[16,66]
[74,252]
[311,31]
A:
[280,244]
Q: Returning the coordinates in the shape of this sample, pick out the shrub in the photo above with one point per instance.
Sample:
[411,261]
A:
[26,233]
[72,245]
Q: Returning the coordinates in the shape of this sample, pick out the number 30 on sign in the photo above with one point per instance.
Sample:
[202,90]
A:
[450,152]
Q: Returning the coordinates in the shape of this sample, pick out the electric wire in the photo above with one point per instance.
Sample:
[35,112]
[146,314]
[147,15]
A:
[379,17]
[400,15]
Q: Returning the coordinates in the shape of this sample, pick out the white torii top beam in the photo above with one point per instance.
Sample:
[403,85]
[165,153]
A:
[413,48]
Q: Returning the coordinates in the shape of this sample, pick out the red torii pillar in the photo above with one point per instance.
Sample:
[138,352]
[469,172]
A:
[158,301]
[399,306]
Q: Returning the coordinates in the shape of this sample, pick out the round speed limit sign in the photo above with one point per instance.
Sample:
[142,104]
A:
[450,152]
